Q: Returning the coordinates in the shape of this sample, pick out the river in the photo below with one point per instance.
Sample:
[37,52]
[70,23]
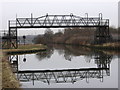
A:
[66,67]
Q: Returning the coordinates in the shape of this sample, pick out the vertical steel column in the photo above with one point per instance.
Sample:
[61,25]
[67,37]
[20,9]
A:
[12,40]
[102,34]
[31,19]
[9,35]
[16,34]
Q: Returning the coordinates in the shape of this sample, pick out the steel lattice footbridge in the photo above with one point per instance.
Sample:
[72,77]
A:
[58,21]
[102,34]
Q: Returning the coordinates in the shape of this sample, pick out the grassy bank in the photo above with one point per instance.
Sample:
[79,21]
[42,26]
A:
[8,79]
[105,46]
[30,48]
[1,69]
[109,48]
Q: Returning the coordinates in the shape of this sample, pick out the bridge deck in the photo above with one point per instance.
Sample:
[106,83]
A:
[57,26]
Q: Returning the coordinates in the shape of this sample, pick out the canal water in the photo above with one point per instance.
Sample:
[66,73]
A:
[66,67]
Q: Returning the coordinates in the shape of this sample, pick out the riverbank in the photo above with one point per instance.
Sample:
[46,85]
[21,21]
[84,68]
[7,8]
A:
[109,48]
[30,48]
[106,46]
[8,79]
[1,69]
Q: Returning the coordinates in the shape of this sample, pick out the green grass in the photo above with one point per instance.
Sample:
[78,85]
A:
[26,48]
[31,46]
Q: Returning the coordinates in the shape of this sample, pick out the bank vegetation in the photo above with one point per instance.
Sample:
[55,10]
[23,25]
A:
[77,36]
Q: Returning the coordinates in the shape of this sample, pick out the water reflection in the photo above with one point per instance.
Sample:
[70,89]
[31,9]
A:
[24,59]
[45,54]
[63,76]
[101,59]
[67,51]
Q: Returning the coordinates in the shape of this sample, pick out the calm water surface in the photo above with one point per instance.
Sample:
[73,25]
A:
[66,67]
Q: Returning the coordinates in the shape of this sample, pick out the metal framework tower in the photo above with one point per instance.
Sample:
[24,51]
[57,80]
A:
[4,39]
[13,42]
[102,34]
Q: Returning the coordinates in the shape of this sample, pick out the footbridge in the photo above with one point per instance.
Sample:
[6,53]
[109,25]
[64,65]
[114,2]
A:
[102,34]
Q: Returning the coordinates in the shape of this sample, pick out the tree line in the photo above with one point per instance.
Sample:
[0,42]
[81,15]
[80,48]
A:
[75,36]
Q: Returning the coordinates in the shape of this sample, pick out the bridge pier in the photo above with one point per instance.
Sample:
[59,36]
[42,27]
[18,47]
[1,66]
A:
[13,42]
[102,35]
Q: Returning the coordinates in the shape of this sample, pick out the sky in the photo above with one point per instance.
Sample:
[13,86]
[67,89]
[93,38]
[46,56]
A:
[9,9]
[119,14]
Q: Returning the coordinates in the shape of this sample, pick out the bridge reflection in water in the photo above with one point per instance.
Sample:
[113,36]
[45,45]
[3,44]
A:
[65,75]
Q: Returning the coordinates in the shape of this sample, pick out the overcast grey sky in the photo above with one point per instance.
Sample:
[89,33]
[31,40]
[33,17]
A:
[24,9]
[119,14]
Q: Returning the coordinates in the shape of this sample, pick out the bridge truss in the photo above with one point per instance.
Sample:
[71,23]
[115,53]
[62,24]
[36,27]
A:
[102,34]
[63,76]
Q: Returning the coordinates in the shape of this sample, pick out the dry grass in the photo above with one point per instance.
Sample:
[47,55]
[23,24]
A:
[111,52]
[31,46]
[116,44]
[109,46]
[8,78]
[26,48]
[1,55]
